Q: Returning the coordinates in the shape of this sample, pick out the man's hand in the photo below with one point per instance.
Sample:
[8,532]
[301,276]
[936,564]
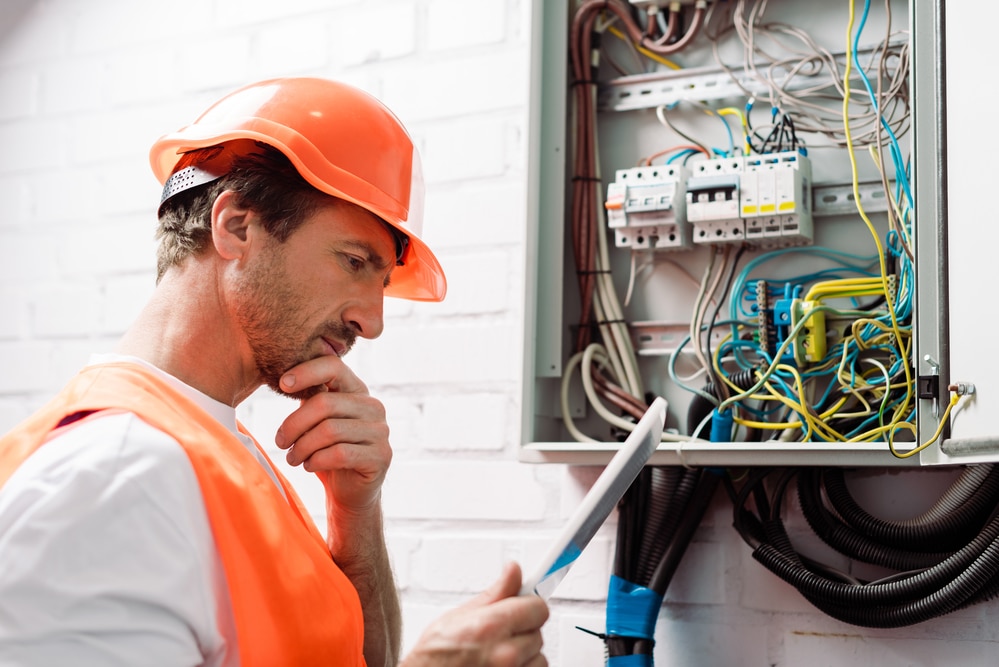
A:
[339,433]
[496,629]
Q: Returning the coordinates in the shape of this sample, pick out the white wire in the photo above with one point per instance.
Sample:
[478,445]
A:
[570,425]
[615,331]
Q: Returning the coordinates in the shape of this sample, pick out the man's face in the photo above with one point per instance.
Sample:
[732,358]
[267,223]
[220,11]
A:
[315,293]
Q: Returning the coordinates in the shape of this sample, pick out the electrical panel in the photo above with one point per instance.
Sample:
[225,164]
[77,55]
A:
[724,215]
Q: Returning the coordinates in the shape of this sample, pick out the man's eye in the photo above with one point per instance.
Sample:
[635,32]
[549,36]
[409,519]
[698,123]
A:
[355,263]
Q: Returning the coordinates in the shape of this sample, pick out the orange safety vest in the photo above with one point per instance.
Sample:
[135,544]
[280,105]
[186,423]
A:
[292,604]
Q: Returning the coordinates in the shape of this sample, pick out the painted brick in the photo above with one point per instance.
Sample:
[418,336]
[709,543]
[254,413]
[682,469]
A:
[446,29]
[106,249]
[15,200]
[712,641]
[79,196]
[402,548]
[71,310]
[855,648]
[23,141]
[698,578]
[18,94]
[130,190]
[479,283]
[26,258]
[103,25]
[373,32]
[290,46]
[23,364]
[232,65]
[112,134]
[575,647]
[404,414]
[465,149]
[475,421]
[73,87]
[13,314]
[128,80]
[455,88]
[486,213]
[485,352]
[473,490]
[239,13]
[458,563]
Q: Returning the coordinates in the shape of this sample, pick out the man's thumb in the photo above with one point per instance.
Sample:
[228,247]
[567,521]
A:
[508,585]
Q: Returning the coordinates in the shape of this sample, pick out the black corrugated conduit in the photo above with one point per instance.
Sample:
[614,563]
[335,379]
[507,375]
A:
[955,545]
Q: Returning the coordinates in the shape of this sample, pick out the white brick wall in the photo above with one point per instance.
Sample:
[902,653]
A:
[85,87]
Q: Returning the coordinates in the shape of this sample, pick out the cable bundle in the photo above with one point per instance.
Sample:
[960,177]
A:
[657,520]
[945,559]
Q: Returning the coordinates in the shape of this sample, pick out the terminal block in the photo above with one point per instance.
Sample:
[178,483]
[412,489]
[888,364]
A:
[713,201]
[776,199]
[646,208]
[810,341]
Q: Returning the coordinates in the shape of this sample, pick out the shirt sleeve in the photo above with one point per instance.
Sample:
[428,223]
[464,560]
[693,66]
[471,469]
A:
[107,557]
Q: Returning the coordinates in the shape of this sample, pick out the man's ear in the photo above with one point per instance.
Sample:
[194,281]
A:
[230,226]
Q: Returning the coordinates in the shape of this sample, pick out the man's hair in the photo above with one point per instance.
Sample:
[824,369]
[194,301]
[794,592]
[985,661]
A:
[263,180]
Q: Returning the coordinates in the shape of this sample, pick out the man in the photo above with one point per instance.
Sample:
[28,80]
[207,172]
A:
[139,524]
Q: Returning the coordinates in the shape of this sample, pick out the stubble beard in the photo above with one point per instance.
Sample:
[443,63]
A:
[270,314]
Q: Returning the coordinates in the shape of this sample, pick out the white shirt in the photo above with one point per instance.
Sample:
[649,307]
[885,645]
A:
[106,554]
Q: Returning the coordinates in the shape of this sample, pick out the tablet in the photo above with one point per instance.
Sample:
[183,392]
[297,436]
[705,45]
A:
[598,502]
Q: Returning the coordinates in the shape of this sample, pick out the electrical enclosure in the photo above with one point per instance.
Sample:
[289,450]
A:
[686,204]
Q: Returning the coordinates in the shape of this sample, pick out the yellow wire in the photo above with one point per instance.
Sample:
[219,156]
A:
[651,55]
[936,434]
[903,406]
[732,111]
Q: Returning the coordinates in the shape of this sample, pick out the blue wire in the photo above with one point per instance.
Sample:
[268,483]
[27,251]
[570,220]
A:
[896,152]
[680,154]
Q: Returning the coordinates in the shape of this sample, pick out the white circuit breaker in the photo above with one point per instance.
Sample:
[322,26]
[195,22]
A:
[776,199]
[646,208]
[713,197]
[762,200]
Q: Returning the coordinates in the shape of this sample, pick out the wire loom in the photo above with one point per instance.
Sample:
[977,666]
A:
[962,528]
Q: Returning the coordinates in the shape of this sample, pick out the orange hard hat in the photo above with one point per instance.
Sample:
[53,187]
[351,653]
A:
[343,141]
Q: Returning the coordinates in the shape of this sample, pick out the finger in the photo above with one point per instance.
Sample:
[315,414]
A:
[521,613]
[332,433]
[328,371]
[364,411]
[368,461]
[506,586]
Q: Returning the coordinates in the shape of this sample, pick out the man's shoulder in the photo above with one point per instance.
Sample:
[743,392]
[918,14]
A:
[107,461]
[112,442]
